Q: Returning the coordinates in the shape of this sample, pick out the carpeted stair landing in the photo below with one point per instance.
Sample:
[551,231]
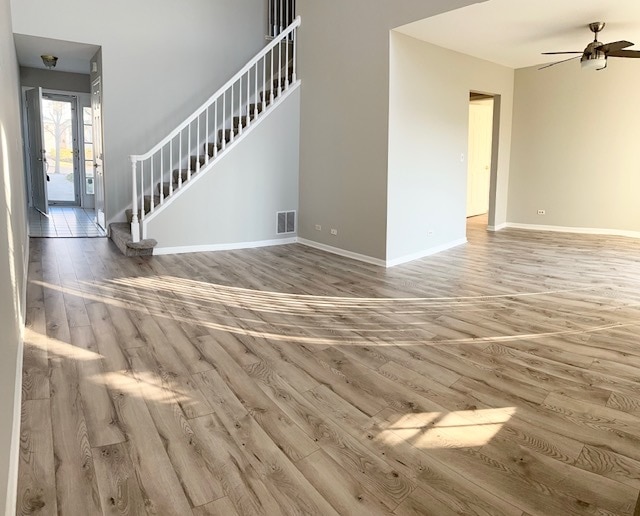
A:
[120,233]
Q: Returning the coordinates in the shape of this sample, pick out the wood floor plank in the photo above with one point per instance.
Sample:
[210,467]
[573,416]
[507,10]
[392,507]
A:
[36,476]
[220,507]
[420,503]
[172,426]
[166,365]
[103,427]
[291,490]
[120,492]
[342,491]
[434,476]
[155,474]
[76,487]
[292,440]
[240,482]
[35,370]
[611,465]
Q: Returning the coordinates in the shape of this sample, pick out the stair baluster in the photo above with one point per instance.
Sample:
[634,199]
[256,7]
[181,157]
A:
[198,145]
[206,139]
[171,168]
[215,130]
[264,80]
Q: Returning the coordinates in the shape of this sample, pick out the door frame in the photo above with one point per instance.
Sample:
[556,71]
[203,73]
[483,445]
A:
[85,97]
[495,147]
[98,157]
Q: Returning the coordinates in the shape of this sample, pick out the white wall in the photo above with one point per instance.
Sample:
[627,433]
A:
[237,201]
[575,147]
[428,134]
[161,59]
[13,259]
[344,67]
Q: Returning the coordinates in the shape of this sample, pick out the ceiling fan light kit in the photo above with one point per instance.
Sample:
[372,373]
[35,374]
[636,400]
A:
[595,55]
[597,61]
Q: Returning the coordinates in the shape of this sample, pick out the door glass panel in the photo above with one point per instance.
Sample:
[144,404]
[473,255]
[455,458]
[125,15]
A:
[58,144]
[88,133]
[86,115]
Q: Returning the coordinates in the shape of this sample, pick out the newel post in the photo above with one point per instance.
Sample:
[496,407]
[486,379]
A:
[135,224]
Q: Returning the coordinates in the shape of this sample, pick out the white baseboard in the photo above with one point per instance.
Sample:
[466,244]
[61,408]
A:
[498,227]
[427,252]
[223,247]
[342,252]
[579,230]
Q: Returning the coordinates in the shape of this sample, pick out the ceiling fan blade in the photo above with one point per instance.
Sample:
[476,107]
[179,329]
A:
[558,62]
[616,45]
[624,53]
[555,53]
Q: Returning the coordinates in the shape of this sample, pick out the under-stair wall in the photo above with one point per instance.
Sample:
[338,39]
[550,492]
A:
[234,204]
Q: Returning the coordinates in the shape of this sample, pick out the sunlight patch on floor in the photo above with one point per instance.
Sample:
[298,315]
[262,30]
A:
[459,429]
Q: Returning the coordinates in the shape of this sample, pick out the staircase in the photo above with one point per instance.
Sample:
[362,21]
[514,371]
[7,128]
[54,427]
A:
[192,149]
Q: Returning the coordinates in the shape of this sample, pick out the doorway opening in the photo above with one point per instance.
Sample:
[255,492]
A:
[59,145]
[482,153]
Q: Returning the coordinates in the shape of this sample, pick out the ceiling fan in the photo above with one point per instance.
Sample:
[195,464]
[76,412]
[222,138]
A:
[594,57]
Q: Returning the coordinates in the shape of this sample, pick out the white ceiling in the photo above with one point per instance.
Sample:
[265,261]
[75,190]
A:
[515,32]
[72,57]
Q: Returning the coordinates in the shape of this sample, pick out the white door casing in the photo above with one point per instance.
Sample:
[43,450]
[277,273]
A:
[96,110]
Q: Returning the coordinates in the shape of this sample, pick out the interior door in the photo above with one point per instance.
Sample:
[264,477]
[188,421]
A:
[37,153]
[480,141]
[96,110]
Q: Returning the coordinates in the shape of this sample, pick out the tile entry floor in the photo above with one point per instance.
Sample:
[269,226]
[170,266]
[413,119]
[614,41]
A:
[64,222]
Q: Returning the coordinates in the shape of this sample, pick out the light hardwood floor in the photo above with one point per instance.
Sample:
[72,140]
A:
[501,377]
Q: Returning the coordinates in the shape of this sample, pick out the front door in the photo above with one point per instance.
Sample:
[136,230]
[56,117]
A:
[59,121]
[37,153]
[96,110]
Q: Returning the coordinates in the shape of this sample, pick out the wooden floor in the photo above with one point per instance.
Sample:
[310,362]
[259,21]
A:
[501,377]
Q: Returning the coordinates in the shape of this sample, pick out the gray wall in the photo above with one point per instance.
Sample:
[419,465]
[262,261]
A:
[428,134]
[161,59]
[13,257]
[54,80]
[344,67]
[237,201]
[575,147]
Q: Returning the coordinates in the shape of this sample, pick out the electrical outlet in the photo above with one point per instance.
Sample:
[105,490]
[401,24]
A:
[462,158]
[430,232]
[334,231]
[542,212]
[318,227]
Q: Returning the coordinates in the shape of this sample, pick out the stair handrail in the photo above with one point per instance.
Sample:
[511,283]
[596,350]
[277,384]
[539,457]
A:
[287,35]
[209,102]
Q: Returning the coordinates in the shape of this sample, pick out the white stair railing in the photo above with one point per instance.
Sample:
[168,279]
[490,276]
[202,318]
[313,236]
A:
[206,134]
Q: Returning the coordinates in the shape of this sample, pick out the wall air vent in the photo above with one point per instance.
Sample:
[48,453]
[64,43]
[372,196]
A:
[285,222]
